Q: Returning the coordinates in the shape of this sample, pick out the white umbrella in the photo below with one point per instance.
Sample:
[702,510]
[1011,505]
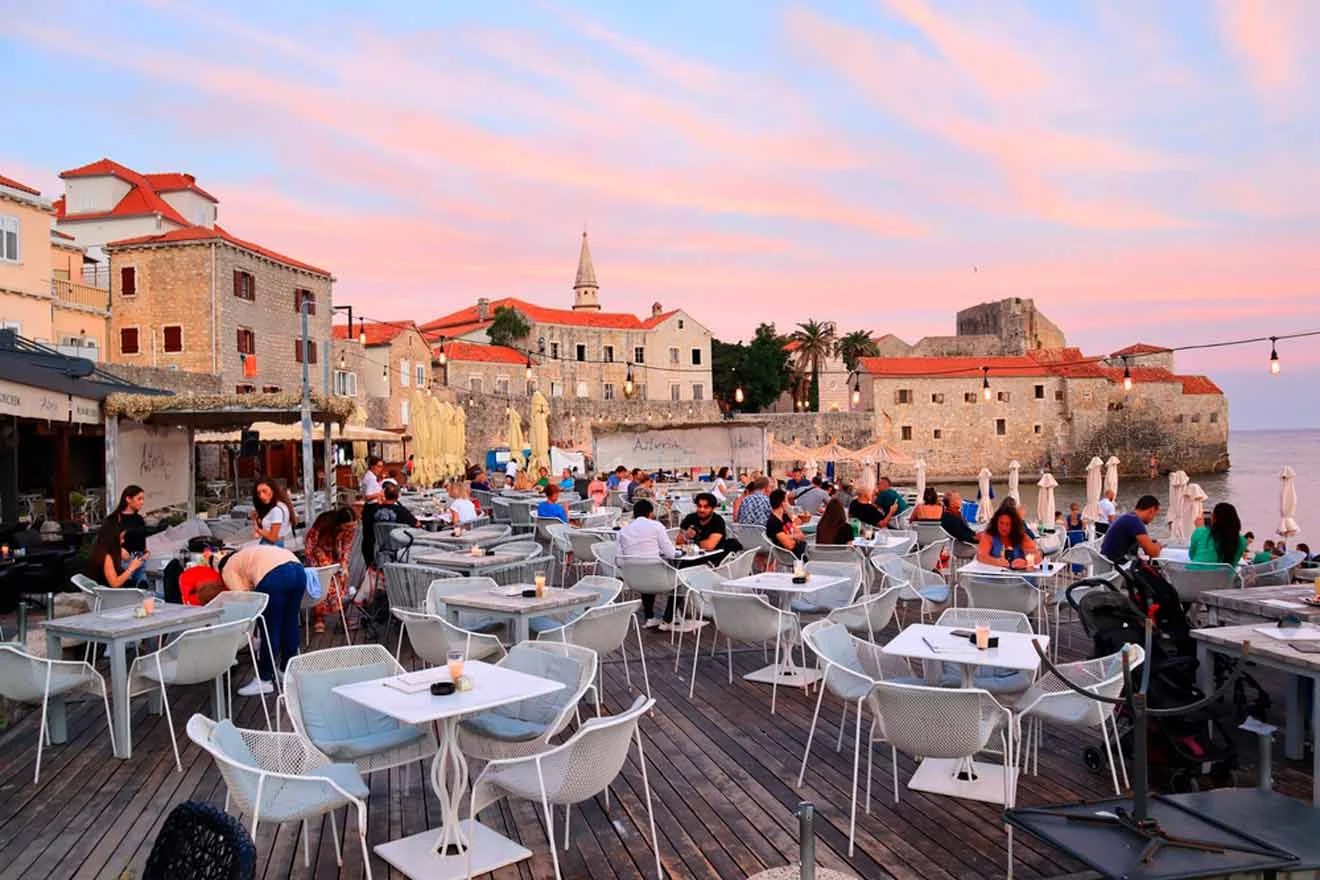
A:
[1014,477]
[1111,474]
[983,505]
[1177,483]
[1192,505]
[1045,498]
[1094,483]
[920,468]
[1288,502]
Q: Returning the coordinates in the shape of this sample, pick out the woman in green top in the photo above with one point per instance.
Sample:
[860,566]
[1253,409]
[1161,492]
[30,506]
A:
[1221,542]
[544,480]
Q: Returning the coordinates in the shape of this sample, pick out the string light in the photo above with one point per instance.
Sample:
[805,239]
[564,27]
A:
[1127,376]
[738,396]
[529,368]
[856,390]
[342,362]
[628,382]
[985,383]
[443,357]
[1274,356]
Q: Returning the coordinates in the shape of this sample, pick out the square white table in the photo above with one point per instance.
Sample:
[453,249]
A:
[1044,571]
[509,603]
[441,853]
[787,673]
[934,645]
[463,560]
[882,540]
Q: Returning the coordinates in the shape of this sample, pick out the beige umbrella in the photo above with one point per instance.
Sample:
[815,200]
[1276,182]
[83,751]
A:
[438,466]
[1193,503]
[417,430]
[514,437]
[459,440]
[984,506]
[1094,484]
[831,451]
[1014,480]
[1111,475]
[1177,484]
[780,451]
[540,428]
[879,453]
[1045,498]
[1288,502]
[920,470]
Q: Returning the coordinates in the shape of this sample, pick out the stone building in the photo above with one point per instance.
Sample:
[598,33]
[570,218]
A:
[382,365]
[1015,322]
[585,353]
[50,292]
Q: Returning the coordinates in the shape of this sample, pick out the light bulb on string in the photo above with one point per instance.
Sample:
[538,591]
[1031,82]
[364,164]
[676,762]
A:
[856,391]
[444,358]
[1274,356]
[738,396]
[341,359]
[529,368]
[1127,376]
[985,383]
[628,382]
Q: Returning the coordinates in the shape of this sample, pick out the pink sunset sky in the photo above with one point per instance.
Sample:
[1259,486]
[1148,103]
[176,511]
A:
[1144,171]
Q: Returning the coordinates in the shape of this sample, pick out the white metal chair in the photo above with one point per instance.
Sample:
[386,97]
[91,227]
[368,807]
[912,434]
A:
[194,656]
[329,722]
[520,518]
[579,769]
[560,548]
[607,590]
[604,629]
[919,585]
[1191,579]
[833,553]
[929,532]
[279,778]
[868,615]
[753,538]
[996,680]
[748,618]
[739,565]
[606,555]
[522,548]
[850,667]
[526,727]
[327,575]
[25,678]
[580,545]
[1007,592]
[1049,699]
[650,576]
[454,585]
[825,600]
[238,605]
[432,637]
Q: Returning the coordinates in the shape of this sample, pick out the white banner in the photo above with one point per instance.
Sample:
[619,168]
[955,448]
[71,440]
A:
[27,402]
[740,446]
[155,458]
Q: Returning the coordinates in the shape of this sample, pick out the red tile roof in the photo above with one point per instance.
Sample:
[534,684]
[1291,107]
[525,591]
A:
[1198,385]
[142,197]
[64,235]
[452,330]
[543,315]
[377,333]
[14,184]
[490,354]
[1140,348]
[193,234]
[174,181]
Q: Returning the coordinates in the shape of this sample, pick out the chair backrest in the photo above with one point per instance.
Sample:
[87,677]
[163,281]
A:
[524,657]
[200,842]
[109,598]
[744,617]
[606,588]
[1277,572]
[582,767]
[606,555]
[520,513]
[406,584]
[432,638]
[22,675]
[602,628]
[525,549]
[239,605]
[929,531]
[387,548]
[833,553]
[1191,579]
[1103,676]
[647,575]
[934,722]
[1006,593]
[499,509]
[581,543]
[197,655]
[834,648]
[325,660]
[843,594]
[606,517]
[928,557]
[85,585]
[995,618]
[739,565]
[751,537]
[437,589]
[869,615]
[482,497]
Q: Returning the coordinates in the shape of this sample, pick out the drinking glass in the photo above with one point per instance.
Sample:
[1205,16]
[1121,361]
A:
[454,660]
[539,580]
[982,637]
[149,604]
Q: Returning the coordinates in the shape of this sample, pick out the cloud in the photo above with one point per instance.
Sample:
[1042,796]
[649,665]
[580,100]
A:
[1269,40]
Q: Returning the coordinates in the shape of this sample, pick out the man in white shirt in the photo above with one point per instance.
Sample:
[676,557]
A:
[1108,509]
[371,487]
[511,471]
[644,538]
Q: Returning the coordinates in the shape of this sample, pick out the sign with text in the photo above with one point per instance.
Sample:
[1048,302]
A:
[740,446]
[155,458]
[27,402]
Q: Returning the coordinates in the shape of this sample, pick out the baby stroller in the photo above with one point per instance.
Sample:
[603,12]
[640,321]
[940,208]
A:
[1182,748]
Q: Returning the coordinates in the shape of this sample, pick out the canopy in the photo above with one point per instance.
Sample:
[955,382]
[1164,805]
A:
[920,470]
[1111,475]
[879,453]
[1288,502]
[540,427]
[1014,478]
[832,451]
[787,451]
[1045,498]
[1193,502]
[1094,485]
[278,433]
[984,506]
[1177,483]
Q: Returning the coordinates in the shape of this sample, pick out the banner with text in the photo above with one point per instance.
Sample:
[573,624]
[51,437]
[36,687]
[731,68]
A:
[27,402]
[739,446]
[155,458]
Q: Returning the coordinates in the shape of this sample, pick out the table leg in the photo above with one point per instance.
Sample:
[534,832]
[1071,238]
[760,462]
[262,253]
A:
[119,702]
[1315,740]
[218,701]
[56,717]
[521,629]
[1205,678]
[453,841]
[22,620]
[1293,748]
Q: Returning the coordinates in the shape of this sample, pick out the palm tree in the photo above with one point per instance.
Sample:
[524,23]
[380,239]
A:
[854,346]
[815,342]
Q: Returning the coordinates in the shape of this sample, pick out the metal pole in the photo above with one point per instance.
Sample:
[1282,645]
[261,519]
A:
[308,468]
[806,813]
[328,446]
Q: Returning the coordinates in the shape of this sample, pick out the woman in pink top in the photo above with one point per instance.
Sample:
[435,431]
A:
[596,490]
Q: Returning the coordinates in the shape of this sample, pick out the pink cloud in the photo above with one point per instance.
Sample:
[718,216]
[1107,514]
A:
[1269,38]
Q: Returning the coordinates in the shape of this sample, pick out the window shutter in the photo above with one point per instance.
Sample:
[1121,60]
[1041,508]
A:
[311,352]
[238,340]
[297,301]
[238,283]
[297,351]
[128,281]
[128,340]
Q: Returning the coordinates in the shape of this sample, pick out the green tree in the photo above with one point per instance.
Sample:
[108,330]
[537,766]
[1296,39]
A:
[761,367]
[815,343]
[854,346]
[508,327]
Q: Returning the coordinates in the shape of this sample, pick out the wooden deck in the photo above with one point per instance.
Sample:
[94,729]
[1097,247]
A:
[722,773]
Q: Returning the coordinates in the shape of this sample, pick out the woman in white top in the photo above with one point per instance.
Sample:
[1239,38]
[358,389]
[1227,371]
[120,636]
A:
[273,516]
[461,508]
[720,488]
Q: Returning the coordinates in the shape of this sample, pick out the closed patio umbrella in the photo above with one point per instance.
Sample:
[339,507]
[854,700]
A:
[1014,479]
[1193,503]
[459,439]
[1094,484]
[1045,498]
[1177,484]
[1288,502]
[515,437]
[984,506]
[540,428]
[920,469]
[1111,475]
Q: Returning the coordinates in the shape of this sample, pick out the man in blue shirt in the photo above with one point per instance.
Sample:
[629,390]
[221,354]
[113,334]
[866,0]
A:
[755,508]
[1128,532]
[612,481]
[796,481]
[550,508]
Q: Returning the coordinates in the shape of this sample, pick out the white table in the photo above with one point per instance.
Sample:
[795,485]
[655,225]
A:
[883,540]
[441,853]
[934,645]
[1044,571]
[463,560]
[787,673]
[508,602]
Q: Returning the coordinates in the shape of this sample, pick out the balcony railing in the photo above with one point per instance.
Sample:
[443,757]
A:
[96,275]
[77,294]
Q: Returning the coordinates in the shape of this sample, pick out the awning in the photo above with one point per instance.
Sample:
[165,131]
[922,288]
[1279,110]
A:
[27,402]
[37,382]
[280,433]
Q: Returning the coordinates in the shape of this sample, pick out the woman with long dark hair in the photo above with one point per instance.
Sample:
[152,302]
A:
[1220,542]
[1005,542]
[833,527]
[273,517]
[108,565]
[329,541]
[930,508]
[128,513]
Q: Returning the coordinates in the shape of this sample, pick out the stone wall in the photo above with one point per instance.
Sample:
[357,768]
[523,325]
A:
[958,346]
[1014,321]
[178,381]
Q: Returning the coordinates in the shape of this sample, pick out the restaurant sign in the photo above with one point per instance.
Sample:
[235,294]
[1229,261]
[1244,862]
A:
[27,402]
